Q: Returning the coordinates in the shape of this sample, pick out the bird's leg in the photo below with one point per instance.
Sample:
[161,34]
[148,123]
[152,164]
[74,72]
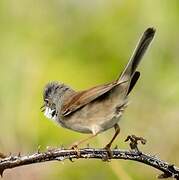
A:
[108,146]
[117,131]
[77,143]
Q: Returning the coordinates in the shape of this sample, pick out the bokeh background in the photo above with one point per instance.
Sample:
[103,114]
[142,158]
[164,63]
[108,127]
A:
[85,43]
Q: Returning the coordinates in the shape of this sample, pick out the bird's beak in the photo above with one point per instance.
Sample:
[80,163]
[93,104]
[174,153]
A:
[42,108]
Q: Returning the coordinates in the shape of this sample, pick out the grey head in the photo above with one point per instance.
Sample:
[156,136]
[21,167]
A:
[53,96]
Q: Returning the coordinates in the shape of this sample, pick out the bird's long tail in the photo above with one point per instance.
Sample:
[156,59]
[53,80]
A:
[137,55]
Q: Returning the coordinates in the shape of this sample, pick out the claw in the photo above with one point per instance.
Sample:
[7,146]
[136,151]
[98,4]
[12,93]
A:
[109,152]
[75,148]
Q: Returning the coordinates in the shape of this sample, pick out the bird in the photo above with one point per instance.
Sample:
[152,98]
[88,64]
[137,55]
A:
[99,108]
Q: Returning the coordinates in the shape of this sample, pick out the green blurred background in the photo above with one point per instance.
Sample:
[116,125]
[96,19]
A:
[86,43]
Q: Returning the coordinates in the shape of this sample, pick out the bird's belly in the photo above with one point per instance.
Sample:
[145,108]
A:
[93,118]
[100,125]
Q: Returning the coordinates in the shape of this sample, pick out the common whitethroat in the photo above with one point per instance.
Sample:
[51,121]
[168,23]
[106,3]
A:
[99,108]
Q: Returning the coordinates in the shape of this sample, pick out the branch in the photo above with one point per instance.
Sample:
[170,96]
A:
[61,154]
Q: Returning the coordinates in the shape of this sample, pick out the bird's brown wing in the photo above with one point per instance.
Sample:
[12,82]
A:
[80,99]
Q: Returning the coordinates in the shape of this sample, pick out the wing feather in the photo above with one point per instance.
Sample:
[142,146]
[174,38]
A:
[80,99]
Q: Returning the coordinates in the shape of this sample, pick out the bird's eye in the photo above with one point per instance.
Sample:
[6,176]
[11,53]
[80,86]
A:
[46,101]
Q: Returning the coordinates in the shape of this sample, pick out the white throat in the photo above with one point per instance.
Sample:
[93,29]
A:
[48,113]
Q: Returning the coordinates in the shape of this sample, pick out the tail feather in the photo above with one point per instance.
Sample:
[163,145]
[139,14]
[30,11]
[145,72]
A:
[133,81]
[137,55]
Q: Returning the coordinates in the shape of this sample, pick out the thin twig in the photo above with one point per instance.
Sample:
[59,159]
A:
[169,170]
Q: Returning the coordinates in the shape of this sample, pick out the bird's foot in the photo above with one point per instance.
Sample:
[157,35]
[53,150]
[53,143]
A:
[134,141]
[109,152]
[74,146]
